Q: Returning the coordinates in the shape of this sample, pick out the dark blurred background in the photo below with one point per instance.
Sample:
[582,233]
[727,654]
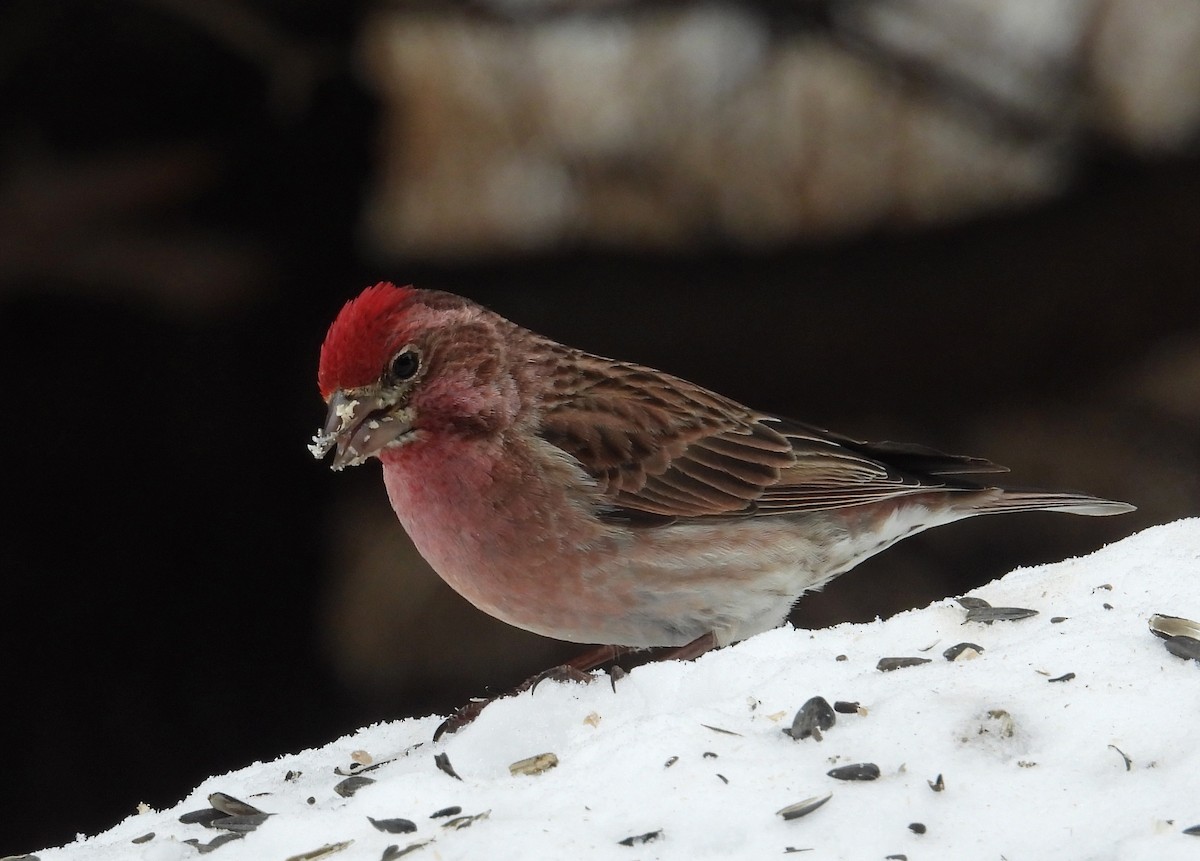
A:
[802,211]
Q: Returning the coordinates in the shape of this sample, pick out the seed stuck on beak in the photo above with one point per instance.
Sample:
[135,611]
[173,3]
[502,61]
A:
[360,424]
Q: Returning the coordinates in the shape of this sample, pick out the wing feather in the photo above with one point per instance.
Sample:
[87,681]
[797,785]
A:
[658,445]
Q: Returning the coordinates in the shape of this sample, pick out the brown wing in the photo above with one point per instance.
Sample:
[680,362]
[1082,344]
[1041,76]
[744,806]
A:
[659,445]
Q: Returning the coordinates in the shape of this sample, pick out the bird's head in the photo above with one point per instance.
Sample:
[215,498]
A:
[399,363]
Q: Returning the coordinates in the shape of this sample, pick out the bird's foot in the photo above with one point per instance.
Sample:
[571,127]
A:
[578,669]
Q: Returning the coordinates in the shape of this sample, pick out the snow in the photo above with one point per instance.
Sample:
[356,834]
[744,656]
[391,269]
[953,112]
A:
[1032,767]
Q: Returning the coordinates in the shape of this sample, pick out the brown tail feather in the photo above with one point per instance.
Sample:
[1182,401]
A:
[1037,500]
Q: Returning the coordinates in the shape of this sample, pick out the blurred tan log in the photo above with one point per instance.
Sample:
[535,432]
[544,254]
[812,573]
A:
[671,126]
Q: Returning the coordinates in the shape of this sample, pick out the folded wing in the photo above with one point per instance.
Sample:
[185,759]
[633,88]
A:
[661,446]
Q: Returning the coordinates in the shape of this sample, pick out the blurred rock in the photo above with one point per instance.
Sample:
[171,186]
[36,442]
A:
[1144,74]
[540,126]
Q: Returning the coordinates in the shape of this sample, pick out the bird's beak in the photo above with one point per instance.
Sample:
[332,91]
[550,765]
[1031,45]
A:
[359,425]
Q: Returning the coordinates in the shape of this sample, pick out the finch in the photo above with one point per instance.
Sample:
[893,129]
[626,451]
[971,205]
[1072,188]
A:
[599,501]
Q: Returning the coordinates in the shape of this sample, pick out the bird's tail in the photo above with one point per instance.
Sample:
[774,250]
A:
[1008,499]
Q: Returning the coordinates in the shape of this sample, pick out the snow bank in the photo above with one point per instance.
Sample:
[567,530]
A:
[691,761]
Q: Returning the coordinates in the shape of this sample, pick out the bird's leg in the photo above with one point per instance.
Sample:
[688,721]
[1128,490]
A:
[597,657]
[694,649]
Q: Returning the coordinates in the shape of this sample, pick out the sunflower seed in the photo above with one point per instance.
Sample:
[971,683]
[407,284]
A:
[231,806]
[1128,761]
[1193,830]
[671,761]
[886,665]
[720,730]
[1173,626]
[459,822]
[813,717]
[395,851]
[216,843]
[847,708]
[969,603]
[1065,677]
[638,839]
[533,764]
[805,807]
[963,652]
[452,810]
[322,852]
[393,826]
[938,785]
[1184,647]
[243,824]
[202,817]
[346,788]
[442,761]
[916,827]
[145,838]
[359,767]
[855,771]
[987,615]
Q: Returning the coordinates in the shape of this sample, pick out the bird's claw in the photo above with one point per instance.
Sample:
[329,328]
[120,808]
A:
[462,716]
[561,673]
[615,674]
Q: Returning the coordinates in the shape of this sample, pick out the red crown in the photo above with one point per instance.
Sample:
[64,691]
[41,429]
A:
[360,339]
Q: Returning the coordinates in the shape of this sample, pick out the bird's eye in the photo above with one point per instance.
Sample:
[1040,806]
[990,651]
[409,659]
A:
[405,364]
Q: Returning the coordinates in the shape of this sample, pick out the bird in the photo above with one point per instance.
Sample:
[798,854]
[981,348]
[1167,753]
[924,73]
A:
[604,502]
